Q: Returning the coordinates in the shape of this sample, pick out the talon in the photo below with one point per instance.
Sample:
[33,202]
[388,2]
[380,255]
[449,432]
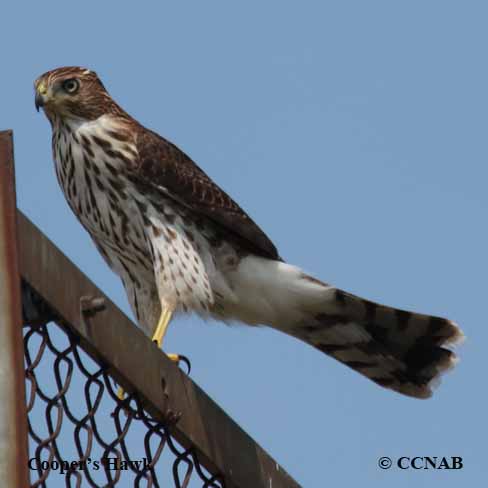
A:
[185,360]
[177,358]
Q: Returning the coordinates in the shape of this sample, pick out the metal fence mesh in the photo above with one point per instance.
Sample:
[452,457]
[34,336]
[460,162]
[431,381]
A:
[80,432]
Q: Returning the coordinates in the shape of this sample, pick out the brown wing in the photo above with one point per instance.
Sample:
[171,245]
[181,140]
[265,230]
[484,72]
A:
[165,168]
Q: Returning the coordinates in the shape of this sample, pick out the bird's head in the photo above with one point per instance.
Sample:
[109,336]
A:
[73,92]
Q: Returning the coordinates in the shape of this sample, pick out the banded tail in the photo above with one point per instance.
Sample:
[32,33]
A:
[400,350]
[403,351]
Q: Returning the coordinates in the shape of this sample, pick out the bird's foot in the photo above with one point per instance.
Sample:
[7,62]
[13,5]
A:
[159,334]
[120,393]
[177,358]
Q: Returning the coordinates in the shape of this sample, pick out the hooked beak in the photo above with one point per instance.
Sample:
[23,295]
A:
[40,99]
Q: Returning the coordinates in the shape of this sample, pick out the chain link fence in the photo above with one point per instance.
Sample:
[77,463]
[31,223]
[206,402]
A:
[88,436]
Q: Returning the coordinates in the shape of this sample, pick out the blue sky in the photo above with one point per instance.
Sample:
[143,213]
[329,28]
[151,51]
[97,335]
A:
[355,135]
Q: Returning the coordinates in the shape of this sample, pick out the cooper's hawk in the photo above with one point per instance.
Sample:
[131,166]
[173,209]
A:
[181,244]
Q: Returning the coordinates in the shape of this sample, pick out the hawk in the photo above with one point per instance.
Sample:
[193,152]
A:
[181,244]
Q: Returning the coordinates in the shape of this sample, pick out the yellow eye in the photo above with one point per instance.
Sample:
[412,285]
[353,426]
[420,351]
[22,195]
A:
[71,86]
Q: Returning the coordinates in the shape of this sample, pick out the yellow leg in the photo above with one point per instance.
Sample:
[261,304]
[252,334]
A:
[157,337]
[162,326]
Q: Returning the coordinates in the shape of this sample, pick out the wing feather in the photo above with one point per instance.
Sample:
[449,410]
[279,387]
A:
[163,167]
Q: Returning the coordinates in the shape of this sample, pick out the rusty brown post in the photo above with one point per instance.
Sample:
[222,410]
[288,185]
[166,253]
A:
[13,416]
